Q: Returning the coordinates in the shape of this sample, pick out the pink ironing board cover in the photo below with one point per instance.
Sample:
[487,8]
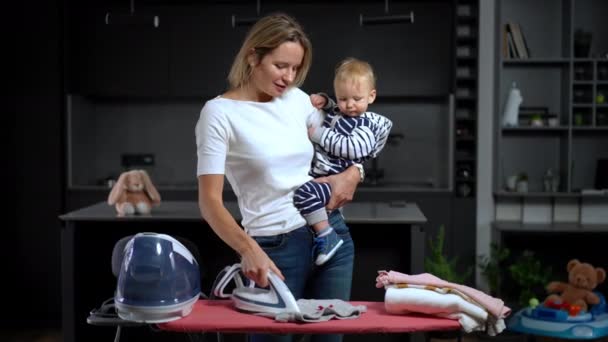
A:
[221,316]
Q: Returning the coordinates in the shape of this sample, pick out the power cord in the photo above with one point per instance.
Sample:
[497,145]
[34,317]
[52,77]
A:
[106,315]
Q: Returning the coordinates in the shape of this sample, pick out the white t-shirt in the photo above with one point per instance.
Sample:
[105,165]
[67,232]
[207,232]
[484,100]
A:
[264,151]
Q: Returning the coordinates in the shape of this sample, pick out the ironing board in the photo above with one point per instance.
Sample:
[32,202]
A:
[221,316]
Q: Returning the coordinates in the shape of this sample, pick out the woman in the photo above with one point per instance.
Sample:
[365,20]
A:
[256,135]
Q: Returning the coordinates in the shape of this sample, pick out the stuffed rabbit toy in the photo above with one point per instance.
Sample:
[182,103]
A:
[134,193]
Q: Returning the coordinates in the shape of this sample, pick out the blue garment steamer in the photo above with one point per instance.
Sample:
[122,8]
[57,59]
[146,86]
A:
[545,321]
[158,281]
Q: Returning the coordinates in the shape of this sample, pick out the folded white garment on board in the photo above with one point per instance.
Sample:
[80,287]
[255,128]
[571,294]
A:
[471,317]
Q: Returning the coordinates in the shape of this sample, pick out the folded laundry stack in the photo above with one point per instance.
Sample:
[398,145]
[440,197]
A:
[428,294]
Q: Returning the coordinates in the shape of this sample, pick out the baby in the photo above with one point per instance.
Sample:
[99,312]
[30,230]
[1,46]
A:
[349,135]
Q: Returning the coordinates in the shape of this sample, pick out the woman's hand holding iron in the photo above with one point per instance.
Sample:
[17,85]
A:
[255,264]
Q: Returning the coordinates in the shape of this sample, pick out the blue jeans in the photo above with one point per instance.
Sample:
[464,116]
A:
[292,253]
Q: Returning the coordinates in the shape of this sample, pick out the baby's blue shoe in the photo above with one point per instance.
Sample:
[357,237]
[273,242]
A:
[326,246]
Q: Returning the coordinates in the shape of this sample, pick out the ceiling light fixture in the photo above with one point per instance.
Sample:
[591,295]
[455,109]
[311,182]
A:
[130,18]
[387,18]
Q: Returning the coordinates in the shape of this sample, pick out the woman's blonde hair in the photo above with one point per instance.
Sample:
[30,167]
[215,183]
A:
[264,36]
[353,69]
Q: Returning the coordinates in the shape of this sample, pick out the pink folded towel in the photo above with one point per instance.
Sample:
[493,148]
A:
[495,306]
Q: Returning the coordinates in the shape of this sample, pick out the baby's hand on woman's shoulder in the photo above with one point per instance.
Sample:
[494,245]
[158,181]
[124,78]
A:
[311,131]
[318,101]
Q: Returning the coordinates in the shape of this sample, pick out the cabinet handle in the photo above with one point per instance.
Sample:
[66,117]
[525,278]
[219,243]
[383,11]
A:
[243,21]
[387,19]
[131,18]
[127,20]
[247,21]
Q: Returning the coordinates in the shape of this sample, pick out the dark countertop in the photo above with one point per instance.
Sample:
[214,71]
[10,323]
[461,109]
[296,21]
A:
[354,212]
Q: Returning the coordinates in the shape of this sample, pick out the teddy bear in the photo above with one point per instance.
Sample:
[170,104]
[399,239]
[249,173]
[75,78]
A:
[577,294]
[134,193]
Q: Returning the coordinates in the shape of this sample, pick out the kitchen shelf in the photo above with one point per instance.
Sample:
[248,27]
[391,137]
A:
[509,226]
[552,208]
[467,120]
[536,62]
[467,19]
[514,194]
[466,58]
[465,89]
[467,39]
[555,78]
[516,130]
[597,129]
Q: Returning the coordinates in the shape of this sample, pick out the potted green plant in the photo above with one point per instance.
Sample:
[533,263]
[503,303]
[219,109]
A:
[491,267]
[524,279]
[440,265]
[530,277]
[536,120]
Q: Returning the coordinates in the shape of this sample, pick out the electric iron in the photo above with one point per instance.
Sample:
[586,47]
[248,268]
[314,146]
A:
[547,321]
[267,302]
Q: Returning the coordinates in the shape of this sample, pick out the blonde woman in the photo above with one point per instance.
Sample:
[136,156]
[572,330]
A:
[256,135]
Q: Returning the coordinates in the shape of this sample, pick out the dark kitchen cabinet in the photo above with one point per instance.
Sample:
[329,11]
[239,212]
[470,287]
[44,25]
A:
[410,59]
[128,56]
[203,44]
[190,52]
[414,60]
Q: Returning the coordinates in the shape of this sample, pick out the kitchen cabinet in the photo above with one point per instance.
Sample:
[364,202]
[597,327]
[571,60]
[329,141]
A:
[190,52]
[127,56]
[411,60]
[172,69]
[202,47]
[414,60]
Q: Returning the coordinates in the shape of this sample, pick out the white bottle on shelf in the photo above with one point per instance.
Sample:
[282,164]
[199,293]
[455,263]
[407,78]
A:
[510,116]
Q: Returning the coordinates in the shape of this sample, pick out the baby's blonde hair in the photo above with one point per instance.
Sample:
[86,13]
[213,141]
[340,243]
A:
[353,69]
